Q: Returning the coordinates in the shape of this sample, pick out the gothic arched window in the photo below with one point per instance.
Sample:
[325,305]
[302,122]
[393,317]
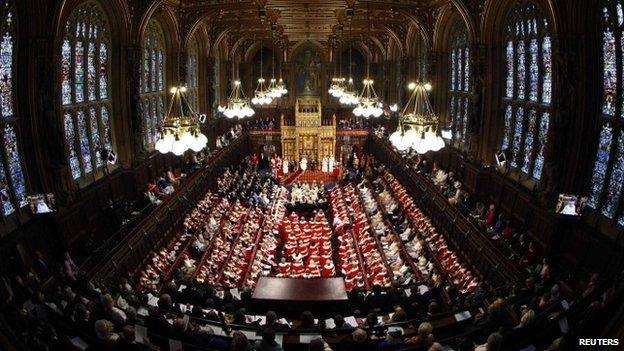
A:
[12,180]
[85,77]
[153,82]
[608,174]
[192,73]
[460,86]
[527,93]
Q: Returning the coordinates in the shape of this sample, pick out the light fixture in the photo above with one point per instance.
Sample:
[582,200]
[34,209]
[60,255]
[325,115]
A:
[418,125]
[237,104]
[368,103]
[262,95]
[349,93]
[276,89]
[180,129]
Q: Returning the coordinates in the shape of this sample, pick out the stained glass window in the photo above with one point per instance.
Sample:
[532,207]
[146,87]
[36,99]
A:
[460,89]
[605,189]
[12,178]
[85,76]
[153,81]
[526,104]
[192,72]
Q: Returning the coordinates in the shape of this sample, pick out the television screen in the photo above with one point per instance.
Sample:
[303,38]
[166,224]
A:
[42,203]
[571,205]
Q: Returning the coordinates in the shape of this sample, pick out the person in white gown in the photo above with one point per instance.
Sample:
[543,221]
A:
[303,164]
[325,165]
[331,163]
[285,166]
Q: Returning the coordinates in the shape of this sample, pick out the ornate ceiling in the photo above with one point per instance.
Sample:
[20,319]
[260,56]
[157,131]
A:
[384,25]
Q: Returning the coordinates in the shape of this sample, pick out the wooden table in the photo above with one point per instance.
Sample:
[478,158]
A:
[304,290]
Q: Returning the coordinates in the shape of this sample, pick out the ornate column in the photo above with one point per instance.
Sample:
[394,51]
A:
[564,76]
[473,128]
[53,150]
[137,127]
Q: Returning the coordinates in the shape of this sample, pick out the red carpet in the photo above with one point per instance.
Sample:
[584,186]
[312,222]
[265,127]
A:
[291,177]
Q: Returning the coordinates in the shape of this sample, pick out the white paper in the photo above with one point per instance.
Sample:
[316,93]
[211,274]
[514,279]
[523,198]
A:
[380,320]
[306,338]
[152,300]
[329,323]
[79,343]
[279,338]
[408,292]
[140,333]
[175,345]
[182,287]
[462,316]
[351,321]
[220,294]
[422,289]
[235,294]
[142,311]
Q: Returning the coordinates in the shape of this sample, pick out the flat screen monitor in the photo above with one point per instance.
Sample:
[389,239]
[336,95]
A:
[571,205]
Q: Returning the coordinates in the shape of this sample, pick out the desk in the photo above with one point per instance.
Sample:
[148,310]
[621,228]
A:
[293,289]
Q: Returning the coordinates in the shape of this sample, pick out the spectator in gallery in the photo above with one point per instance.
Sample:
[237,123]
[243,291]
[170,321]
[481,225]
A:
[307,320]
[424,338]
[268,342]
[494,343]
[70,269]
[240,342]
[489,218]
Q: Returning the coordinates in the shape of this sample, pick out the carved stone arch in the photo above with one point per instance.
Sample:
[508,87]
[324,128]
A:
[200,34]
[169,24]
[219,49]
[361,47]
[415,22]
[116,11]
[294,51]
[396,42]
[414,34]
[251,51]
[446,21]
[495,15]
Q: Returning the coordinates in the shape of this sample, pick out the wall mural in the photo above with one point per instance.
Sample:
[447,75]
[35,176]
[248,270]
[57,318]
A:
[308,72]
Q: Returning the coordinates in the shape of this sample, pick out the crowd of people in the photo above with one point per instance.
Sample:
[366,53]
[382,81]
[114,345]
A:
[400,272]
[507,235]
[262,123]
[226,138]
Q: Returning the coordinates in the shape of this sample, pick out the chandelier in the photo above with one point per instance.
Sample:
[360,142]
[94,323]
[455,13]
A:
[349,94]
[368,103]
[237,103]
[262,95]
[336,88]
[180,131]
[277,89]
[281,87]
[418,126]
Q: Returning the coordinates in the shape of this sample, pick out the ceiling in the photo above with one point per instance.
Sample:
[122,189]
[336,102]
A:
[287,22]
